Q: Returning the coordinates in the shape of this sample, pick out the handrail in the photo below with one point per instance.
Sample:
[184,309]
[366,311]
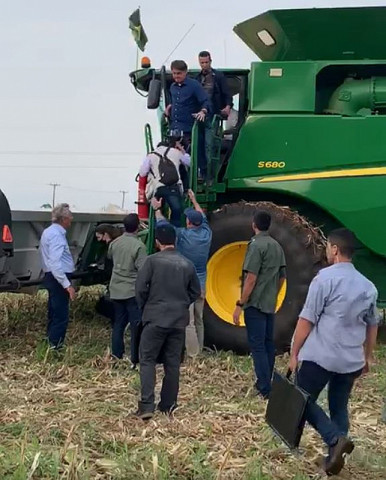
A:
[148,138]
[216,132]
[193,158]
[151,230]
[151,224]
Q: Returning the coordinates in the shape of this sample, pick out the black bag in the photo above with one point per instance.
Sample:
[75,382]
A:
[286,407]
[167,170]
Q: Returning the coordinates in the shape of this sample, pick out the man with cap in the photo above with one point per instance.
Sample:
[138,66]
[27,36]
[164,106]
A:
[166,286]
[193,242]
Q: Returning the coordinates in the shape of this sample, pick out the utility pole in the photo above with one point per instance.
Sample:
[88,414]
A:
[123,197]
[54,187]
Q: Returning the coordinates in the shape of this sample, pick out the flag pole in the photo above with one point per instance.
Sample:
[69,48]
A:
[137,60]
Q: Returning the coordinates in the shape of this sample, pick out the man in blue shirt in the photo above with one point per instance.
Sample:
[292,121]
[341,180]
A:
[215,84]
[58,264]
[334,341]
[193,242]
[189,101]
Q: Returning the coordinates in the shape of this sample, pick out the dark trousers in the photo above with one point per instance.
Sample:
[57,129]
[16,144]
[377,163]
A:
[172,196]
[312,378]
[125,312]
[170,342]
[58,310]
[260,337]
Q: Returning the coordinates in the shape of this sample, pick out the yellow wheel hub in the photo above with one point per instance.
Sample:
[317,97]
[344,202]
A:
[223,285]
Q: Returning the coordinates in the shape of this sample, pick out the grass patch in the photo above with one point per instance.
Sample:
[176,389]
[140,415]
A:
[67,416]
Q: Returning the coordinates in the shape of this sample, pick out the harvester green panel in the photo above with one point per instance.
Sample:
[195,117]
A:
[317,34]
[343,151]
[274,86]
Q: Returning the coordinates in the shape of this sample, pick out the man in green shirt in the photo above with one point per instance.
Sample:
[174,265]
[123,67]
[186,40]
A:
[128,254]
[263,275]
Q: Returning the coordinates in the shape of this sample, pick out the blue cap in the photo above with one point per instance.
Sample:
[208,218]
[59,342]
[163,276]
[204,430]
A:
[193,216]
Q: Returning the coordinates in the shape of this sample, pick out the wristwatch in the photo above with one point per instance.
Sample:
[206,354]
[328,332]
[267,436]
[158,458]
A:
[239,304]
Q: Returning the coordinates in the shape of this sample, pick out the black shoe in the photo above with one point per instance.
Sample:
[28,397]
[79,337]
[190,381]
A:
[167,410]
[335,461]
[143,415]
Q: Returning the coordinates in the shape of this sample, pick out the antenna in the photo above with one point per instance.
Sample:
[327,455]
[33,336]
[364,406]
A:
[179,43]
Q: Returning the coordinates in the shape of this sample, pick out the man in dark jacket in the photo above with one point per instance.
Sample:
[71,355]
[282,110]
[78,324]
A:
[166,286]
[220,102]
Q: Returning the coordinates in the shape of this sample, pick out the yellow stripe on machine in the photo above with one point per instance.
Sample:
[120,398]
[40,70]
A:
[354,172]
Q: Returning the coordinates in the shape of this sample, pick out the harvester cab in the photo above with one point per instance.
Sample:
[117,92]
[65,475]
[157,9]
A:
[156,85]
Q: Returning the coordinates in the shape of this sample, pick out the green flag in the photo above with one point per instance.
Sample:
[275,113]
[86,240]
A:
[137,29]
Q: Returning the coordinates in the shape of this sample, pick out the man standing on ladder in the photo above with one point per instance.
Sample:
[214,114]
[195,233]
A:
[216,87]
[189,101]
[163,168]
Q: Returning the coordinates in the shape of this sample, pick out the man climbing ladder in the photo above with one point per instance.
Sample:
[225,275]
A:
[163,168]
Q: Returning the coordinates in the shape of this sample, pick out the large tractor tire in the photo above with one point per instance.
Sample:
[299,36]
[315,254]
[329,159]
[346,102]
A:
[303,245]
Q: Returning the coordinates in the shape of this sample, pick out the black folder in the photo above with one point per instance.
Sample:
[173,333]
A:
[286,408]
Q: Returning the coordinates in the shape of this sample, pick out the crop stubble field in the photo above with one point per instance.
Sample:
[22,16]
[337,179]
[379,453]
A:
[69,416]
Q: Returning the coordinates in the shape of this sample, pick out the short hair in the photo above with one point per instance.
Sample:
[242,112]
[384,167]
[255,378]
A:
[165,234]
[262,220]
[131,222]
[113,232]
[179,65]
[345,240]
[60,212]
[205,53]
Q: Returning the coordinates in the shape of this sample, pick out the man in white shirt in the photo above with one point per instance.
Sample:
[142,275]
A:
[57,265]
[162,168]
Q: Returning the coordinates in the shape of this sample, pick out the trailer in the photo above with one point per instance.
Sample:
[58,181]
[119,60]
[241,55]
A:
[20,265]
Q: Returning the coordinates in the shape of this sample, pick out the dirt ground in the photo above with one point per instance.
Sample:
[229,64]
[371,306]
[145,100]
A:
[69,416]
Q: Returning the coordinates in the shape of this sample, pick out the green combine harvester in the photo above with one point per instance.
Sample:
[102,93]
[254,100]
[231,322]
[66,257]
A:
[309,146]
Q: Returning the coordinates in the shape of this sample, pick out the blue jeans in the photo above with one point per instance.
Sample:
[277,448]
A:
[260,337]
[58,310]
[172,196]
[312,378]
[125,312]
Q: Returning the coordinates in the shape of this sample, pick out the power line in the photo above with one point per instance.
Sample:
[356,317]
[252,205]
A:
[86,167]
[89,190]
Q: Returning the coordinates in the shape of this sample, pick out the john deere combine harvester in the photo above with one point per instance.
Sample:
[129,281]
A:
[309,146]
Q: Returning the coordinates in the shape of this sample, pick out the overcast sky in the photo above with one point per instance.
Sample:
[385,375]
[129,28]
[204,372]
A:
[68,114]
